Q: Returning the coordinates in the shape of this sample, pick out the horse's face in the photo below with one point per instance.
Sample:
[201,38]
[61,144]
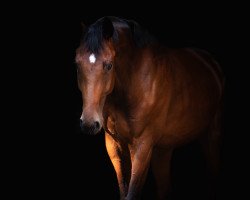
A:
[95,81]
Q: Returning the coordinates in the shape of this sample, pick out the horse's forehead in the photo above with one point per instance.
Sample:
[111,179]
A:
[91,57]
[83,57]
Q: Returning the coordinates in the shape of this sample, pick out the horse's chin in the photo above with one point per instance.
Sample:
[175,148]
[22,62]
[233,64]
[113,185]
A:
[97,132]
[87,130]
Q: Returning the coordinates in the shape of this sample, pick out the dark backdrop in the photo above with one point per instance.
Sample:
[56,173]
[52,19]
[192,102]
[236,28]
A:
[54,159]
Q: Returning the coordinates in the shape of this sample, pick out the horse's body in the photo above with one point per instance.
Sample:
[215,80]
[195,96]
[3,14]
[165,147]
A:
[152,100]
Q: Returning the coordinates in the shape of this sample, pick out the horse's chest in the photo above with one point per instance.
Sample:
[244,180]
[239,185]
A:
[117,124]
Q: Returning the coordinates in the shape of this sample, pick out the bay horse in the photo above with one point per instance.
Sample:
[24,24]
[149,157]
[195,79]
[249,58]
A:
[148,98]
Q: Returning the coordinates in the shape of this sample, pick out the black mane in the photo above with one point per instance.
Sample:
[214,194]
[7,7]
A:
[93,38]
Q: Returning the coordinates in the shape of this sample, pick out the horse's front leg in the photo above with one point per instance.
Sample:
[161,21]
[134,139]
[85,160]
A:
[120,157]
[141,152]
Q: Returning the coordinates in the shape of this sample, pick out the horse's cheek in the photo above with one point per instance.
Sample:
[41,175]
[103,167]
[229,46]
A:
[110,85]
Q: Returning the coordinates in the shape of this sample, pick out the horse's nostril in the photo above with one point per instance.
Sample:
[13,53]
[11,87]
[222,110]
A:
[97,125]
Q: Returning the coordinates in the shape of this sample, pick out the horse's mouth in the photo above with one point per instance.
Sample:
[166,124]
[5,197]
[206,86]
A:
[92,129]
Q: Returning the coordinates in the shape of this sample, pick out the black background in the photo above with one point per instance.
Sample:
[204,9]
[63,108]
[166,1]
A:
[50,157]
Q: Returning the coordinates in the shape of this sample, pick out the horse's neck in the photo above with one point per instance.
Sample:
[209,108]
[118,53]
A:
[134,74]
[126,68]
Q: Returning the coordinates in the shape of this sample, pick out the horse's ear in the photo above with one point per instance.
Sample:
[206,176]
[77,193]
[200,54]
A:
[107,28]
[131,24]
[84,28]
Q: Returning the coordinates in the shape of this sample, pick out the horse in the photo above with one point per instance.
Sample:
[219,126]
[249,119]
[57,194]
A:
[148,98]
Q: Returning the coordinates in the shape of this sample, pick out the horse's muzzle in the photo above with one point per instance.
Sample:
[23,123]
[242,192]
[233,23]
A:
[91,129]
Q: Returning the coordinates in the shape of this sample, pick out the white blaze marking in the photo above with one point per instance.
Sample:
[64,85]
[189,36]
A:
[92,58]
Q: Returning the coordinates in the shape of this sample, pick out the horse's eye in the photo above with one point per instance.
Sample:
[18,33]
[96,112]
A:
[107,66]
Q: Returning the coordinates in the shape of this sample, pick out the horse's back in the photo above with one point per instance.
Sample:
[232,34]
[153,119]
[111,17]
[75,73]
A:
[211,63]
[196,85]
[198,67]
